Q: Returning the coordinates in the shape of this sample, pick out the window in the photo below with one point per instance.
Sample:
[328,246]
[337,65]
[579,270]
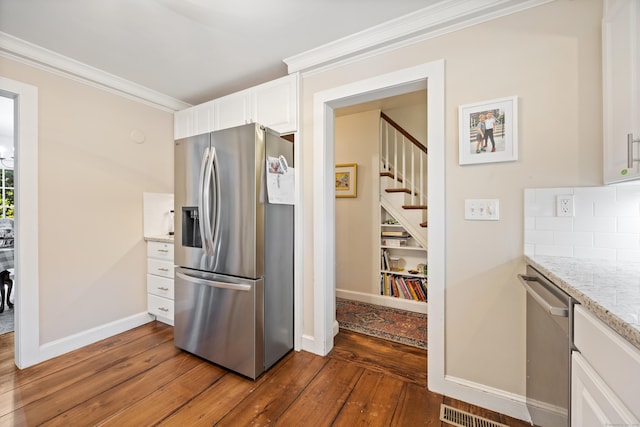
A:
[7,187]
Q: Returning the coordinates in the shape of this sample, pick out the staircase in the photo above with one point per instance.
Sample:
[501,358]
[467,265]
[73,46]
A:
[403,178]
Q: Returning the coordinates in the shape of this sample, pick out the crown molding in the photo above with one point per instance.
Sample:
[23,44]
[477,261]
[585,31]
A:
[39,57]
[441,18]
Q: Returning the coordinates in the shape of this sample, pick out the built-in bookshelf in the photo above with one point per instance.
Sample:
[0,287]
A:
[403,262]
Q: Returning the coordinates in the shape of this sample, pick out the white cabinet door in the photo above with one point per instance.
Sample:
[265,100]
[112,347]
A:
[233,110]
[203,118]
[593,403]
[276,104]
[183,124]
[621,89]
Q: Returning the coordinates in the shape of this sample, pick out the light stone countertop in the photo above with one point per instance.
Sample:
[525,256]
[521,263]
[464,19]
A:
[610,290]
[163,238]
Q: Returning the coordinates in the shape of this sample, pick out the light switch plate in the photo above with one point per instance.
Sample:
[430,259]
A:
[482,209]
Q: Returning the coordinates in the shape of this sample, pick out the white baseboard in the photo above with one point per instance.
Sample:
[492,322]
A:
[309,344]
[399,303]
[73,342]
[494,399]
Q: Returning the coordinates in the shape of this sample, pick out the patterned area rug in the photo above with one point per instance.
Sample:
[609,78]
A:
[6,320]
[404,327]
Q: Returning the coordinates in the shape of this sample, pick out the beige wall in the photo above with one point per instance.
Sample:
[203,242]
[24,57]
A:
[357,137]
[91,179]
[549,57]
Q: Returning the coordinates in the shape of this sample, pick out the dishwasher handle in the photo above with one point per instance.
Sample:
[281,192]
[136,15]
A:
[553,310]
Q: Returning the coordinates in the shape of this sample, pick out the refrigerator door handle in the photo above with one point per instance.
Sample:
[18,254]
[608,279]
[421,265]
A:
[202,202]
[213,174]
[214,284]
[206,173]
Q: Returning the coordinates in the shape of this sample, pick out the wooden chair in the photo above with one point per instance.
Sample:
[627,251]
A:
[5,279]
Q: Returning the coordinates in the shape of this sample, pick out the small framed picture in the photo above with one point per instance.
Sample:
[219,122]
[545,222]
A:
[488,131]
[346,180]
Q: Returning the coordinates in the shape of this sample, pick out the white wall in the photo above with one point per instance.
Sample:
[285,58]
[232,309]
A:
[549,57]
[91,178]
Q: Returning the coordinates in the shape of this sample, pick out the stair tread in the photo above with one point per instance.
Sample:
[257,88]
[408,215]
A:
[390,175]
[398,190]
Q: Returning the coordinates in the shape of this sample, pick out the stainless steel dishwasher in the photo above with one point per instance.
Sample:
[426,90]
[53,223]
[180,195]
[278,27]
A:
[549,339]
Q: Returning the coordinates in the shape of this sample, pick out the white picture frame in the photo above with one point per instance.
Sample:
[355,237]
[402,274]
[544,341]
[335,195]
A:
[503,147]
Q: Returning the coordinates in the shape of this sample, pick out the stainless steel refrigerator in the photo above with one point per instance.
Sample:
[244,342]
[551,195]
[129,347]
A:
[233,250]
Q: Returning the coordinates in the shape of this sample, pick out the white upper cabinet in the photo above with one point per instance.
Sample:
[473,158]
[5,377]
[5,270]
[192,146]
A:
[233,110]
[273,104]
[193,120]
[621,90]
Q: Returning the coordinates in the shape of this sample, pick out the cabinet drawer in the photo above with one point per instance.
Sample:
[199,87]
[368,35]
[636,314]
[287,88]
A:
[615,360]
[160,286]
[160,268]
[160,250]
[160,306]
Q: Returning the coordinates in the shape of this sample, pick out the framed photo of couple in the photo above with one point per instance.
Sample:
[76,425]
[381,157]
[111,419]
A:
[488,131]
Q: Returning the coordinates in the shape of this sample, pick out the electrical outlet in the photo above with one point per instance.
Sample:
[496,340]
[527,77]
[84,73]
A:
[565,205]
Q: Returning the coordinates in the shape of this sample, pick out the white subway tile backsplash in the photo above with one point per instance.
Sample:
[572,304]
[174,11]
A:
[554,224]
[606,223]
[563,238]
[529,223]
[602,224]
[617,240]
[627,208]
[628,225]
[535,237]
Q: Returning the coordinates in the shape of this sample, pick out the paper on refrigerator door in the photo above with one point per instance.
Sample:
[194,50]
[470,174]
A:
[280,182]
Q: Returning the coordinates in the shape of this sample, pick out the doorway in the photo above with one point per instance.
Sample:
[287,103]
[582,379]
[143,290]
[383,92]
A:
[27,314]
[429,76]
[7,235]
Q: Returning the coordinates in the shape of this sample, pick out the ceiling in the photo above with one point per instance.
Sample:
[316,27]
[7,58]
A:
[193,50]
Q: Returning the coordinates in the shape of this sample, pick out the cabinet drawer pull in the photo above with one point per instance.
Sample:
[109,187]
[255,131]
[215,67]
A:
[166,310]
[163,269]
[163,250]
[162,288]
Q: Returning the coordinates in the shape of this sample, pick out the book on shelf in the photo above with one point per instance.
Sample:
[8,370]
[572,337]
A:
[411,288]
[395,234]
[399,243]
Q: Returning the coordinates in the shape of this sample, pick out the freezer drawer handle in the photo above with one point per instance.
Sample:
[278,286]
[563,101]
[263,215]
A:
[199,281]
[554,311]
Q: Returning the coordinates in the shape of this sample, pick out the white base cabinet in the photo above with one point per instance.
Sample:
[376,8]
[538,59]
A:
[160,271]
[605,373]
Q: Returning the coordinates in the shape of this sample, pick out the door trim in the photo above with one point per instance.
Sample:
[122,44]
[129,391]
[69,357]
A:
[27,306]
[430,75]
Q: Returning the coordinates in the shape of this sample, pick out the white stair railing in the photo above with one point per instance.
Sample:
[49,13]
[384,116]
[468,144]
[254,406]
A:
[404,159]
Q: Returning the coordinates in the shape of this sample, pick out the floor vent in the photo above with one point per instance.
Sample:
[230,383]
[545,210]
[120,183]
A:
[460,418]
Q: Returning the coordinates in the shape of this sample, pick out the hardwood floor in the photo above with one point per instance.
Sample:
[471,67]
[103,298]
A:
[139,378]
